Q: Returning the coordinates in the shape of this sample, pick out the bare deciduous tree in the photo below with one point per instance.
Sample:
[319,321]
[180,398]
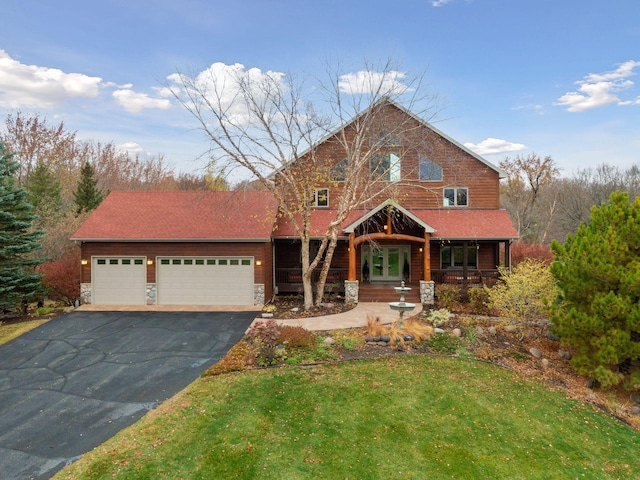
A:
[267,125]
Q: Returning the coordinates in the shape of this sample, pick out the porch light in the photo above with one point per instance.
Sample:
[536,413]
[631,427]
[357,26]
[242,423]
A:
[386,227]
[420,249]
[258,262]
[83,261]
[149,262]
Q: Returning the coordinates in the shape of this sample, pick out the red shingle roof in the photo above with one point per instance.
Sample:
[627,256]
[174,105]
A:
[179,215]
[448,223]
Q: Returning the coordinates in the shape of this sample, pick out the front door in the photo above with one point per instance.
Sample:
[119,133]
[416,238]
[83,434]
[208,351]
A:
[386,262]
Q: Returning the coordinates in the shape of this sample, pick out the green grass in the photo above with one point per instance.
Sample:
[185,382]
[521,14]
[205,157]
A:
[13,330]
[403,417]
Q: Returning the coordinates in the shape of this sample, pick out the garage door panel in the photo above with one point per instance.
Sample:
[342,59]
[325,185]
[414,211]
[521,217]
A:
[119,281]
[205,281]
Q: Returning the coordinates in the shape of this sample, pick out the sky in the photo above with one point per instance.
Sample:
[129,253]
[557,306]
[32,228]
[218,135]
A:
[514,77]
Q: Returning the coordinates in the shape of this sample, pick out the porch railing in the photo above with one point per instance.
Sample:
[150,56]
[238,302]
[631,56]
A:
[290,279]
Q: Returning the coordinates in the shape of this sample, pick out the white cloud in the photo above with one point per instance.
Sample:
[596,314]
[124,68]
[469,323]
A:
[439,3]
[223,85]
[599,89]
[135,102]
[536,108]
[130,147]
[492,146]
[366,81]
[41,87]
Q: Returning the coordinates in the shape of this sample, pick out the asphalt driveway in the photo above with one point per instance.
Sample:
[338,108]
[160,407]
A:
[72,383]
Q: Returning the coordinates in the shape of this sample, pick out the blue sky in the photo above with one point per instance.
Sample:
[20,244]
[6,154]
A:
[554,77]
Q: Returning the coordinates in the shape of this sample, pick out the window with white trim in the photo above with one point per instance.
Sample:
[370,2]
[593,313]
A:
[456,197]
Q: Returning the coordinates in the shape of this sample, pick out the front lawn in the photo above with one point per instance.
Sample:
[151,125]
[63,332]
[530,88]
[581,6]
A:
[396,417]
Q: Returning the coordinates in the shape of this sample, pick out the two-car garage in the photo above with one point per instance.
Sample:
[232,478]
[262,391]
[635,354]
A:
[179,281]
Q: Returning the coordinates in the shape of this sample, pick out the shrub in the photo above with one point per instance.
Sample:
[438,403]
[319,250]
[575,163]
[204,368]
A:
[448,296]
[523,292]
[266,333]
[521,251]
[62,277]
[236,359]
[479,300]
[439,317]
[296,337]
[374,327]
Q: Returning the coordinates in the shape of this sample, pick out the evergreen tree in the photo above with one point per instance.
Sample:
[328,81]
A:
[19,283]
[598,311]
[87,196]
[45,191]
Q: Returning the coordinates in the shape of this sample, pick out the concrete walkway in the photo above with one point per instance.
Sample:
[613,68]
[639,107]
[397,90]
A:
[354,318]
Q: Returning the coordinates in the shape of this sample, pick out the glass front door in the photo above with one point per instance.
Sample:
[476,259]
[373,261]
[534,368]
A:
[386,262]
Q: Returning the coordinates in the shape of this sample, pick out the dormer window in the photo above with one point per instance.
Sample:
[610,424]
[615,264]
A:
[456,197]
[321,197]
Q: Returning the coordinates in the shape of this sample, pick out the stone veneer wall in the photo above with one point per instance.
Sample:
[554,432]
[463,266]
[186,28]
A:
[351,290]
[258,294]
[85,293]
[151,293]
[427,292]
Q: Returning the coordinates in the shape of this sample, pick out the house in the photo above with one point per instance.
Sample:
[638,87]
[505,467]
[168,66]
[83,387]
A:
[438,222]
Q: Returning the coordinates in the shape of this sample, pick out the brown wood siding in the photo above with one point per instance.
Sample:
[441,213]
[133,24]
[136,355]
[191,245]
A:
[151,250]
[460,169]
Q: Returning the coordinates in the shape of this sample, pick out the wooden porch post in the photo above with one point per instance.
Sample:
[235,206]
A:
[507,254]
[465,261]
[426,250]
[352,257]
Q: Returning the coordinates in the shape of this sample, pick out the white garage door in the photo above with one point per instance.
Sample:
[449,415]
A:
[205,281]
[119,281]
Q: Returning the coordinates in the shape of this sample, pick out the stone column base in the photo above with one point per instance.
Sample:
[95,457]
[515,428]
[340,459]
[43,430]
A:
[258,293]
[427,292]
[151,294]
[351,289]
[85,293]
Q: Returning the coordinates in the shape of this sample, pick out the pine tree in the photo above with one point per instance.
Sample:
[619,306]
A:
[45,191]
[87,196]
[19,284]
[598,312]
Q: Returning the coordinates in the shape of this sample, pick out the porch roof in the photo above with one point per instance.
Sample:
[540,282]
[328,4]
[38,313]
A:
[445,224]
[181,215]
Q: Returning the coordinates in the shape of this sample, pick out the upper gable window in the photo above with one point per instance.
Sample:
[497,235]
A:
[456,197]
[386,167]
[339,171]
[321,197]
[386,139]
[429,171]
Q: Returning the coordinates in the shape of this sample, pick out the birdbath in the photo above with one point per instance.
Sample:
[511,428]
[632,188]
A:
[402,306]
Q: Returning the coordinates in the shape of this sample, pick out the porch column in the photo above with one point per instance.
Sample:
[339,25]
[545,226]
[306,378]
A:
[465,262]
[507,253]
[352,257]
[426,258]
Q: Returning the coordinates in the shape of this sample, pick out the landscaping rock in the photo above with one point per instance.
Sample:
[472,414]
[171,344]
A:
[492,330]
[369,339]
[382,344]
[545,363]
[267,315]
[385,338]
[295,309]
[635,398]
[564,354]
[480,331]
[510,328]
[591,383]
[438,330]
[535,352]
[553,336]
[457,332]
[407,338]
[635,410]
[329,341]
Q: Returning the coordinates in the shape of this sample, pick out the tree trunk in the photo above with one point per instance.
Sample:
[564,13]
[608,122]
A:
[331,247]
